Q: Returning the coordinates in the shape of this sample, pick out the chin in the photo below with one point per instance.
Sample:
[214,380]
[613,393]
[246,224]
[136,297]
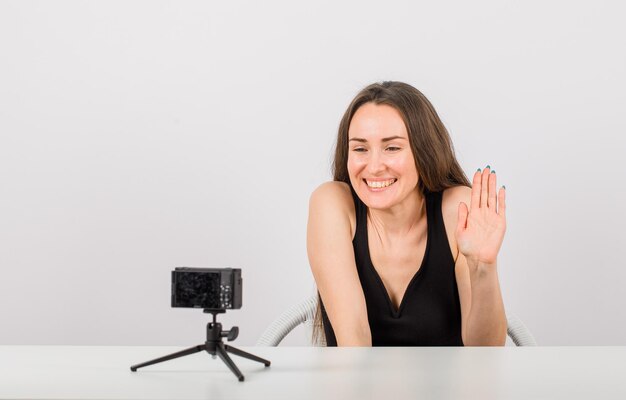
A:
[378,206]
[377,201]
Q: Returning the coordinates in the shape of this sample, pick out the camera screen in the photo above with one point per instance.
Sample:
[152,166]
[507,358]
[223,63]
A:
[197,290]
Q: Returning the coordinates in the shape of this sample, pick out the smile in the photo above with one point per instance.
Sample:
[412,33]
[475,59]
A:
[380,184]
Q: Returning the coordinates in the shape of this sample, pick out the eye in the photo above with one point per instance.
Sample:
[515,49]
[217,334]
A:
[359,149]
[393,148]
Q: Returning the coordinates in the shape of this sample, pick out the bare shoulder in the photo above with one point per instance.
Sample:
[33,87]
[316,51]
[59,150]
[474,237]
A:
[453,196]
[333,191]
[450,201]
[336,198]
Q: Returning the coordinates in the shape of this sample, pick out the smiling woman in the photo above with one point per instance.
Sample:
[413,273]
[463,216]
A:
[398,256]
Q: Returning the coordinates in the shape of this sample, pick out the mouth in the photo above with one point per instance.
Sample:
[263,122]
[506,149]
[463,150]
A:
[380,185]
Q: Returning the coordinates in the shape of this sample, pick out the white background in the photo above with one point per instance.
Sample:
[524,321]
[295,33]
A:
[138,136]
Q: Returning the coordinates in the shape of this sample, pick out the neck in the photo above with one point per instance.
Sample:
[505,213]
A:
[401,219]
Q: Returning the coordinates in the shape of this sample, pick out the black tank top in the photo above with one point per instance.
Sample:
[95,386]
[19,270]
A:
[430,311]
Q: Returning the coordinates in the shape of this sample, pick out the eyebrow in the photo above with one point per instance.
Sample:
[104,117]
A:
[384,139]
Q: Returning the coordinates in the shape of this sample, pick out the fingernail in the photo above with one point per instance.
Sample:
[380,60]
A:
[503,187]
[487,167]
[478,170]
[493,171]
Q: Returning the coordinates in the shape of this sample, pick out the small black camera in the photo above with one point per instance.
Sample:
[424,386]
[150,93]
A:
[208,288]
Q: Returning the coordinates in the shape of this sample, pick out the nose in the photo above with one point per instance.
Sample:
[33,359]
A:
[376,163]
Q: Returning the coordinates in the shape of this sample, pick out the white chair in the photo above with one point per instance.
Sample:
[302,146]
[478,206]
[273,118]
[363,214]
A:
[304,312]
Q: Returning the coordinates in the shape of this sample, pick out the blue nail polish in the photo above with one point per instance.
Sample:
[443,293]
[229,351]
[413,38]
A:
[493,171]
[487,167]
[478,170]
[503,187]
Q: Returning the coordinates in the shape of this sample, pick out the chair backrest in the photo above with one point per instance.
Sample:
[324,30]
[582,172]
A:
[304,312]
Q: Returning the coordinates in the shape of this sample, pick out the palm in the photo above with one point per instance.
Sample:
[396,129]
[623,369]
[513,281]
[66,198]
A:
[480,229]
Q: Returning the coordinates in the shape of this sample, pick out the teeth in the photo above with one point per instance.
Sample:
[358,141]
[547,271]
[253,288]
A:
[380,184]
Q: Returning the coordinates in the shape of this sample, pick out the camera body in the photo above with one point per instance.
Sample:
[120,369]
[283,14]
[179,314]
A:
[207,288]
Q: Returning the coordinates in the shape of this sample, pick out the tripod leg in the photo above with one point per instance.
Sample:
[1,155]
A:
[243,354]
[182,353]
[219,349]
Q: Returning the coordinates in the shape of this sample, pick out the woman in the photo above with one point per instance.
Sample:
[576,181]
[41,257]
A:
[402,249]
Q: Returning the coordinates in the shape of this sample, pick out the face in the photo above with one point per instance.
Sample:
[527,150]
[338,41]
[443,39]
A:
[380,161]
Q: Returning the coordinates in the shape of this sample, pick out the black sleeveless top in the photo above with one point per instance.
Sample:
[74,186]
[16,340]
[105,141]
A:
[430,311]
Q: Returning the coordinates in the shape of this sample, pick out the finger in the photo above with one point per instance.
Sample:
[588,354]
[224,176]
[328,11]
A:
[462,220]
[491,200]
[484,186]
[475,199]
[501,202]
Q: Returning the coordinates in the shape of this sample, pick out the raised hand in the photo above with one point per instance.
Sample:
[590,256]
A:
[480,229]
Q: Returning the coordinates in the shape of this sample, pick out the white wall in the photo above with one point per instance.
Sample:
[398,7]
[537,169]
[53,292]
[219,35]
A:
[137,136]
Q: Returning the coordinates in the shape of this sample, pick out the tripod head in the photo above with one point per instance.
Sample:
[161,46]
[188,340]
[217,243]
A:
[214,332]
[215,311]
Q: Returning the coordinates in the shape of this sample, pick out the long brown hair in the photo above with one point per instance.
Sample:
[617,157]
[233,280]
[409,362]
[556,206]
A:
[430,143]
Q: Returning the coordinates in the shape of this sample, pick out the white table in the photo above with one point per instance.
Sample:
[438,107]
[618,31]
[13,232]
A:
[103,372]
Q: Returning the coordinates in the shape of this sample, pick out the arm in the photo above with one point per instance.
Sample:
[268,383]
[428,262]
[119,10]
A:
[480,231]
[329,247]
[482,308]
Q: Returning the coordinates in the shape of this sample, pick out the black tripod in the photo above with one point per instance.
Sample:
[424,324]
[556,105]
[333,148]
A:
[214,346]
